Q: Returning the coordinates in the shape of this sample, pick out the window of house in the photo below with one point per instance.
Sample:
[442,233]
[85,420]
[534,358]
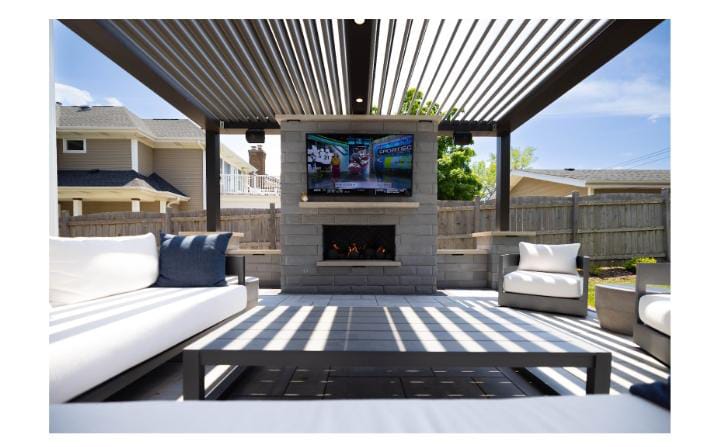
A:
[74,146]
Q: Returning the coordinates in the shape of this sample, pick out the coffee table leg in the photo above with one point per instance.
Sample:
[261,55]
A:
[598,376]
[193,376]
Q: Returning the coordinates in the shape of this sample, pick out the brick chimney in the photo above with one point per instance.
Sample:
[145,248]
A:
[257,158]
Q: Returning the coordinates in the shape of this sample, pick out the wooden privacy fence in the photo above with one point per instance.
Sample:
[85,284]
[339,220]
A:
[260,226]
[609,226]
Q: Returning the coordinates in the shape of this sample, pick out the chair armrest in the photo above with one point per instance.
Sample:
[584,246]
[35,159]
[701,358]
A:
[235,266]
[658,274]
[583,263]
[509,260]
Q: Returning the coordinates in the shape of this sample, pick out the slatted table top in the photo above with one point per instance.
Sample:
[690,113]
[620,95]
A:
[389,329]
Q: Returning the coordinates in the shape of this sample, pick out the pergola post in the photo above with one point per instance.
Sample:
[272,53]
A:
[212,179]
[502,183]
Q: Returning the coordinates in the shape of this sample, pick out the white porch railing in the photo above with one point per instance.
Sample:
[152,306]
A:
[255,185]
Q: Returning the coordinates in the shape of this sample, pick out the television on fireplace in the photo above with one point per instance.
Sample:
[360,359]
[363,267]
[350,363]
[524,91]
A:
[359,164]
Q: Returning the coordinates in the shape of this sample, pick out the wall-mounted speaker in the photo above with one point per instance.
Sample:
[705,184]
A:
[255,136]
[462,138]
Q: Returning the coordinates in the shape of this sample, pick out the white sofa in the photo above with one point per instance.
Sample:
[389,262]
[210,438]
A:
[550,414]
[105,318]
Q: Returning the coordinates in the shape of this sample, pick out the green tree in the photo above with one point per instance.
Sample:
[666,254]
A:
[456,180]
[486,170]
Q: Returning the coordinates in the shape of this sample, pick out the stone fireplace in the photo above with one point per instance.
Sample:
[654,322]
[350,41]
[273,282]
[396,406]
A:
[405,227]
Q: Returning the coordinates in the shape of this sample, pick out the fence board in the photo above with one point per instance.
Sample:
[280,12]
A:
[609,226]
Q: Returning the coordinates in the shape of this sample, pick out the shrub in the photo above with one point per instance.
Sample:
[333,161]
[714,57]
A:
[595,270]
[630,265]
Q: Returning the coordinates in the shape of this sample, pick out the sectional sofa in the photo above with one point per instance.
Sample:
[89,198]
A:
[109,326]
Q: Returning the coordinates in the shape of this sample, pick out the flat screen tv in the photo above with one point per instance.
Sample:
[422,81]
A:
[359,164]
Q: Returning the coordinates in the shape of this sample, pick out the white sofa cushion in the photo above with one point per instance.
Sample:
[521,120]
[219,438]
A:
[558,285]
[86,268]
[93,341]
[548,258]
[548,414]
[654,310]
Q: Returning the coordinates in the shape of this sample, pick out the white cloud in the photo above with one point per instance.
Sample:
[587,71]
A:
[113,101]
[636,97]
[72,96]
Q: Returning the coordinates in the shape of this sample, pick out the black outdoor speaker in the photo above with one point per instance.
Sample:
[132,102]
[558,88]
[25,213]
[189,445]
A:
[255,136]
[462,138]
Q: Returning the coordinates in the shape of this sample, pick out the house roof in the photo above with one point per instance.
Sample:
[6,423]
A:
[99,177]
[582,177]
[120,118]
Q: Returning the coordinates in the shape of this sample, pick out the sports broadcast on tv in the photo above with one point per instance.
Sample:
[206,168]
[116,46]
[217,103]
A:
[359,164]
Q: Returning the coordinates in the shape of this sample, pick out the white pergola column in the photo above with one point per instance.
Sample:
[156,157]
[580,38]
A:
[77,207]
[135,205]
[54,210]
[163,206]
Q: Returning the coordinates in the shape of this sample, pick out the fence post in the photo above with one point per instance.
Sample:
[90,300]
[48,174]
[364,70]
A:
[167,225]
[666,219]
[273,227]
[64,227]
[476,214]
[574,218]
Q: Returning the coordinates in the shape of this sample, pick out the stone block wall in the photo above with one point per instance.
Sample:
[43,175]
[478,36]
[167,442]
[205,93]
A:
[462,271]
[266,267]
[416,228]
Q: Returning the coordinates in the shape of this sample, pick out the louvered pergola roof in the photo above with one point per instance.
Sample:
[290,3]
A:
[481,76]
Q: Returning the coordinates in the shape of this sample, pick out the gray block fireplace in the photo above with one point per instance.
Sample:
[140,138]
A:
[395,238]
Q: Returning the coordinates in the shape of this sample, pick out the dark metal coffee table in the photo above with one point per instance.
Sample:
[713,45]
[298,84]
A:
[389,337]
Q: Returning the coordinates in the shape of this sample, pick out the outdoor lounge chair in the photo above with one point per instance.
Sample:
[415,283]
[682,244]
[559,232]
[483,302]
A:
[550,289]
[652,311]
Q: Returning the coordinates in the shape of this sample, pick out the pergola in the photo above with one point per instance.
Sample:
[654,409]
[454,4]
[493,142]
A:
[480,77]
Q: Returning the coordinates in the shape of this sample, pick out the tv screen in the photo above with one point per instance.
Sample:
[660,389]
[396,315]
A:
[359,164]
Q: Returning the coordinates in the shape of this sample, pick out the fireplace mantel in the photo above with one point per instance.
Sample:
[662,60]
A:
[358,263]
[359,204]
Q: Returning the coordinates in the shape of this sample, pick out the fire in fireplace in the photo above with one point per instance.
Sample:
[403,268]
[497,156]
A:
[358,242]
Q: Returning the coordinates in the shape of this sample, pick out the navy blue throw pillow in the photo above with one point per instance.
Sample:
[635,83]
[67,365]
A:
[656,392]
[192,261]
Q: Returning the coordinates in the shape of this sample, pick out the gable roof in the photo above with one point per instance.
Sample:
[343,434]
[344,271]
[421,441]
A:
[99,177]
[120,118]
[584,177]
[114,117]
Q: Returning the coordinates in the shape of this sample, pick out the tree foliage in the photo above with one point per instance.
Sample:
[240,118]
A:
[486,170]
[456,181]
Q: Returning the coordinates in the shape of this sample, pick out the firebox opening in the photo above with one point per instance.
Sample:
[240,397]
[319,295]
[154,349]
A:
[358,242]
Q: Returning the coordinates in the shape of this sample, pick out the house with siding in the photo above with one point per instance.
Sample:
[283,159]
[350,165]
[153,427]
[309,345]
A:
[109,159]
[563,182]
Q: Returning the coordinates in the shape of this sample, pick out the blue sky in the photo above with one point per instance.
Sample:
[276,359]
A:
[620,113]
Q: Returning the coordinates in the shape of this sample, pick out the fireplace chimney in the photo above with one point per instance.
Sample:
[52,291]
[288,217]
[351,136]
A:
[257,158]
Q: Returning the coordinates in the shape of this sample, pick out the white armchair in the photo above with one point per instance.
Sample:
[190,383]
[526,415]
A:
[545,278]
